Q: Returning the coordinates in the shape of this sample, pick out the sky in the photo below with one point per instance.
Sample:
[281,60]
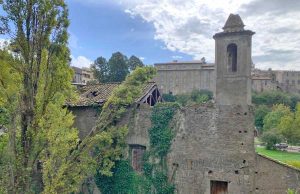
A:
[165,30]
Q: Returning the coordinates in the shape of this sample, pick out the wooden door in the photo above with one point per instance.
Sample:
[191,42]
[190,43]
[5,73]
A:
[218,187]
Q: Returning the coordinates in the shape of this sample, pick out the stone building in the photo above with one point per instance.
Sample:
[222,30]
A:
[213,148]
[288,81]
[92,97]
[184,77]
[263,80]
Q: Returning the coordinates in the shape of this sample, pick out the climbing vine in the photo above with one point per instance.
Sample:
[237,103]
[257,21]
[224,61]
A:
[161,135]
[154,178]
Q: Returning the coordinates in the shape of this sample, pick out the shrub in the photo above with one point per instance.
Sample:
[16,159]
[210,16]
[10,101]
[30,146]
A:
[270,138]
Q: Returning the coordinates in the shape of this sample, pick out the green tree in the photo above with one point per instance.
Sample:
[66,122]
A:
[42,84]
[260,112]
[289,126]
[134,62]
[271,98]
[270,138]
[118,67]
[100,69]
[273,118]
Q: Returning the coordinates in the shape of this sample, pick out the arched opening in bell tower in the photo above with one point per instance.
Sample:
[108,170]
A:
[232,57]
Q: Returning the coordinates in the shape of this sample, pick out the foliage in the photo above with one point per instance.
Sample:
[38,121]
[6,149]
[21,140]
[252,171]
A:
[161,137]
[271,98]
[168,97]
[116,68]
[260,112]
[291,191]
[289,126]
[134,62]
[154,178]
[35,83]
[160,133]
[111,151]
[270,138]
[100,69]
[195,97]
[273,118]
[121,182]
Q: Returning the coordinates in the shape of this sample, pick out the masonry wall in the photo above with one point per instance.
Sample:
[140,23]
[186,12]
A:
[139,123]
[85,119]
[274,178]
[213,144]
[184,78]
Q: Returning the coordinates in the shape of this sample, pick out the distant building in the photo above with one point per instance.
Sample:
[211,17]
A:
[185,76]
[288,81]
[82,76]
[263,80]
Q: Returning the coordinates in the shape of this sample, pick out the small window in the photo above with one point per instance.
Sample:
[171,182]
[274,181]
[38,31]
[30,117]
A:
[137,152]
[232,58]
[218,187]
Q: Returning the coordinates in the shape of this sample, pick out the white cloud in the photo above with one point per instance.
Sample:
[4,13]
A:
[80,61]
[142,58]
[187,26]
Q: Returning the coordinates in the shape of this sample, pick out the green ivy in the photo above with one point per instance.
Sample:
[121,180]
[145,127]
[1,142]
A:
[161,136]
[154,178]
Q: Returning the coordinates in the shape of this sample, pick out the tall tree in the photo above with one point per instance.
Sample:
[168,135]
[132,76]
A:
[100,69]
[39,36]
[134,62]
[118,65]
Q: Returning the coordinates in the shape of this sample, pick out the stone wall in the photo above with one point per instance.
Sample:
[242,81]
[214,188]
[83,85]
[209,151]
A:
[182,78]
[139,124]
[85,118]
[213,144]
[272,177]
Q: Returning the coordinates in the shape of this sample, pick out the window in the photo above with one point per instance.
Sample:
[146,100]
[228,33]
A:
[232,58]
[218,187]
[137,152]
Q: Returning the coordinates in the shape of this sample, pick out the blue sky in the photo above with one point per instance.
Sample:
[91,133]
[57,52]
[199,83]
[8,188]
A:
[105,28]
[166,30]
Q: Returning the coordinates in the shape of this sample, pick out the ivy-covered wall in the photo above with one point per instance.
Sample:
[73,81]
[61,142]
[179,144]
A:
[154,175]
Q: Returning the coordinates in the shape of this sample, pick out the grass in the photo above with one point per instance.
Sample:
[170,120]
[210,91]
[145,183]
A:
[292,159]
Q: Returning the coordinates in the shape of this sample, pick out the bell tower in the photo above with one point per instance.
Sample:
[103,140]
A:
[233,63]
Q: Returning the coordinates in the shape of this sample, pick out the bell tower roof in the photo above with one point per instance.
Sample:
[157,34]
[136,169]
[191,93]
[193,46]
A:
[234,23]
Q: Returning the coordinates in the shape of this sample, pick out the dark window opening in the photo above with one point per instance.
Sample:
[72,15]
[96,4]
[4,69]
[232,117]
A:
[232,57]
[218,187]
[137,152]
